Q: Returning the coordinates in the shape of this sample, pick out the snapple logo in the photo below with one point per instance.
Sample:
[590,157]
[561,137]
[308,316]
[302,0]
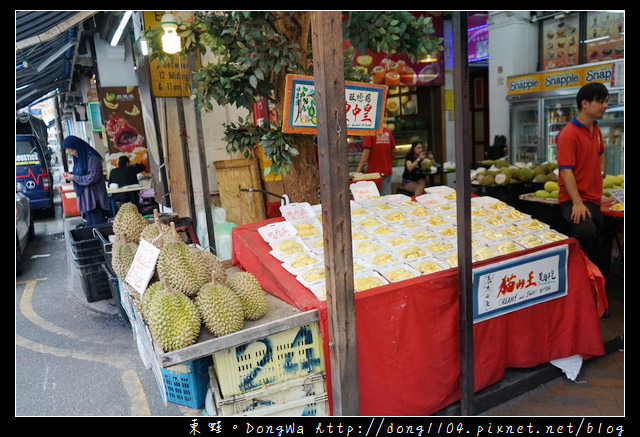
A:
[523,84]
[566,79]
[598,74]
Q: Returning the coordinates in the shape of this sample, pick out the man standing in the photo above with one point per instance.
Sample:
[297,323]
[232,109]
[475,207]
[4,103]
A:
[377,153]
[581,167]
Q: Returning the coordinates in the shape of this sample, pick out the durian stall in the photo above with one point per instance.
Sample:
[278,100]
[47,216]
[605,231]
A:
[406,301]
[208,331]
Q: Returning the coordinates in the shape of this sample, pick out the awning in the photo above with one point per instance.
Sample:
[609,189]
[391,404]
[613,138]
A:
[46,44]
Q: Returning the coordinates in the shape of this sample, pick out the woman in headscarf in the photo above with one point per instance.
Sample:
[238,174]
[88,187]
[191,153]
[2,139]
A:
[88,181]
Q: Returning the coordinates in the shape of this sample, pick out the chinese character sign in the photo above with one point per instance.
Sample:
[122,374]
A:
[520,282]
[364,106]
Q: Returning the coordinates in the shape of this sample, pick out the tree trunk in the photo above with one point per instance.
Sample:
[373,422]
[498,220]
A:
[301,183]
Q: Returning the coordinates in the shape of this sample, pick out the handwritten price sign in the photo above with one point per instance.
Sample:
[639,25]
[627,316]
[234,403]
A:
[143,266]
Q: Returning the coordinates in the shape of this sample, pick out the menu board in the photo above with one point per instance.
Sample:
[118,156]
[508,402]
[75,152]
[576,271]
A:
[605,36]
[560,42]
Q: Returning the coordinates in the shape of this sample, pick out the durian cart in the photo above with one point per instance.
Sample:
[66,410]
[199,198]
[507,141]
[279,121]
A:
[273,366]
[212,354]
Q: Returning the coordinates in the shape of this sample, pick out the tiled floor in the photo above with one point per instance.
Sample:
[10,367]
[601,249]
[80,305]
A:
[599,388]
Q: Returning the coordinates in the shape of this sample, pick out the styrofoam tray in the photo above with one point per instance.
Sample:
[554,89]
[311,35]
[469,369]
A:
[290,266]
[308,228]
[372,275]
[428,265]
[297,211]
[381,259]
[296,243]
[277,231]
[405,270]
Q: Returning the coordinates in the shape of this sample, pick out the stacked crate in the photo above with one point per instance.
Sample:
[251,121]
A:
[281,375]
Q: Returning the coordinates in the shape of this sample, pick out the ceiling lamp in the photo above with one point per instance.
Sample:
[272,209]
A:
[170,39]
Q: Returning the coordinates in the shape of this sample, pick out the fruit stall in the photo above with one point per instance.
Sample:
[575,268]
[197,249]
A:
[406,300]
[206,345]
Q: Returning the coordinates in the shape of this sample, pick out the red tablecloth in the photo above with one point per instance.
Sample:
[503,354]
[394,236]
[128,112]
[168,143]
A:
[408,333]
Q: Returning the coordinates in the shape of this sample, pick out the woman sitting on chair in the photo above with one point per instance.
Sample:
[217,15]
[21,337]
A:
[413,177]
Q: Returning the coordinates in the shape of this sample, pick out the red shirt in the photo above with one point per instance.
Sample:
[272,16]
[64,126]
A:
[381,146]
[579,149]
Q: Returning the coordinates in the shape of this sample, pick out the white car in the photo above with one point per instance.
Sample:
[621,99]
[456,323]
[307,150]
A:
[24,226]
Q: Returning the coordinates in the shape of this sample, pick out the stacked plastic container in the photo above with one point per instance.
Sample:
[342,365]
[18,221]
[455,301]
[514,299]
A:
[87,251]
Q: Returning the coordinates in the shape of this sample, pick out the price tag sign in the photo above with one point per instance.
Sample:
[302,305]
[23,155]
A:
[143,266]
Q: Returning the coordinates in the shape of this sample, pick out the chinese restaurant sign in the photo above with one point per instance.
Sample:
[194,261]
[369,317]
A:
[364,104]
[520,282]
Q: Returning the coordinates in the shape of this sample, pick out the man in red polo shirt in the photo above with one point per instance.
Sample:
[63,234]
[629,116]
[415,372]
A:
[581,167]
[377,153]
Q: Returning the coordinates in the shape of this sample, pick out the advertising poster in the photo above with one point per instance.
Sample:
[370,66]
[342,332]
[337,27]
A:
[123,125]
[560,42]
[605,36]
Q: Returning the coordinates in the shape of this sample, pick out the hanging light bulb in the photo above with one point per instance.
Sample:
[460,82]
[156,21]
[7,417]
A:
[170,39]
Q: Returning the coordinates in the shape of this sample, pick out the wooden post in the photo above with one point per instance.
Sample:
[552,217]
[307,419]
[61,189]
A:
[326,29]
[463,204]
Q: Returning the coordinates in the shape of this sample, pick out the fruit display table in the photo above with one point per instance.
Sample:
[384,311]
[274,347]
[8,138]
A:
[408,331]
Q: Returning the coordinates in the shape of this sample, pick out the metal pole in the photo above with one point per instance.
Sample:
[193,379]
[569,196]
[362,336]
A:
[463,204]
[202,158]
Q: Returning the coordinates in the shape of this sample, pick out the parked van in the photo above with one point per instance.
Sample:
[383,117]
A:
[33,172]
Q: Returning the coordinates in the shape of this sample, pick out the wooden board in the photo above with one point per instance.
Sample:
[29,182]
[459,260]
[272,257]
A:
[242,207]
[531,197]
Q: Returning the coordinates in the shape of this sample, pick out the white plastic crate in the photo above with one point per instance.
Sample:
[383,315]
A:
[306,396]
[276,358]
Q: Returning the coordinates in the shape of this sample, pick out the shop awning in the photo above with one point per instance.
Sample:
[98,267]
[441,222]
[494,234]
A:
[46,44]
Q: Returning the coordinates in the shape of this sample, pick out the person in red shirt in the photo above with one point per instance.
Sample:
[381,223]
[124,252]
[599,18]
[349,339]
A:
[581,167]
[377,153]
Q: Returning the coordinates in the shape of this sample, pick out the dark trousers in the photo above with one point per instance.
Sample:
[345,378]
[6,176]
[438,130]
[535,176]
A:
[587,231]
[96,216]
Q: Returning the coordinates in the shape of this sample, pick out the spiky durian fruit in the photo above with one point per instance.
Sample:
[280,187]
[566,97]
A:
[249,290]
[147,296]
[158,233]
[128,223]
[213,264]
[173,319]
[220,308]
[122,254]
[183,267]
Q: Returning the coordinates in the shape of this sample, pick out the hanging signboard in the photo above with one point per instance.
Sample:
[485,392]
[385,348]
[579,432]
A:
[608,73]
[171,78]
[365,106]
[520,282]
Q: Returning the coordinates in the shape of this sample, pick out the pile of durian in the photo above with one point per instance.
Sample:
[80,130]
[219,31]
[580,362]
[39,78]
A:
[190,287]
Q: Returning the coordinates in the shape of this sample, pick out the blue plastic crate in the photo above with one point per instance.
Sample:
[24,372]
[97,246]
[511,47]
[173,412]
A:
[186,383]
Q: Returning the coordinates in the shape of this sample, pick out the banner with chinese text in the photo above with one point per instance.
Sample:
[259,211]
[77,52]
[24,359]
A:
[520,282]
[123,125]
[364,103]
